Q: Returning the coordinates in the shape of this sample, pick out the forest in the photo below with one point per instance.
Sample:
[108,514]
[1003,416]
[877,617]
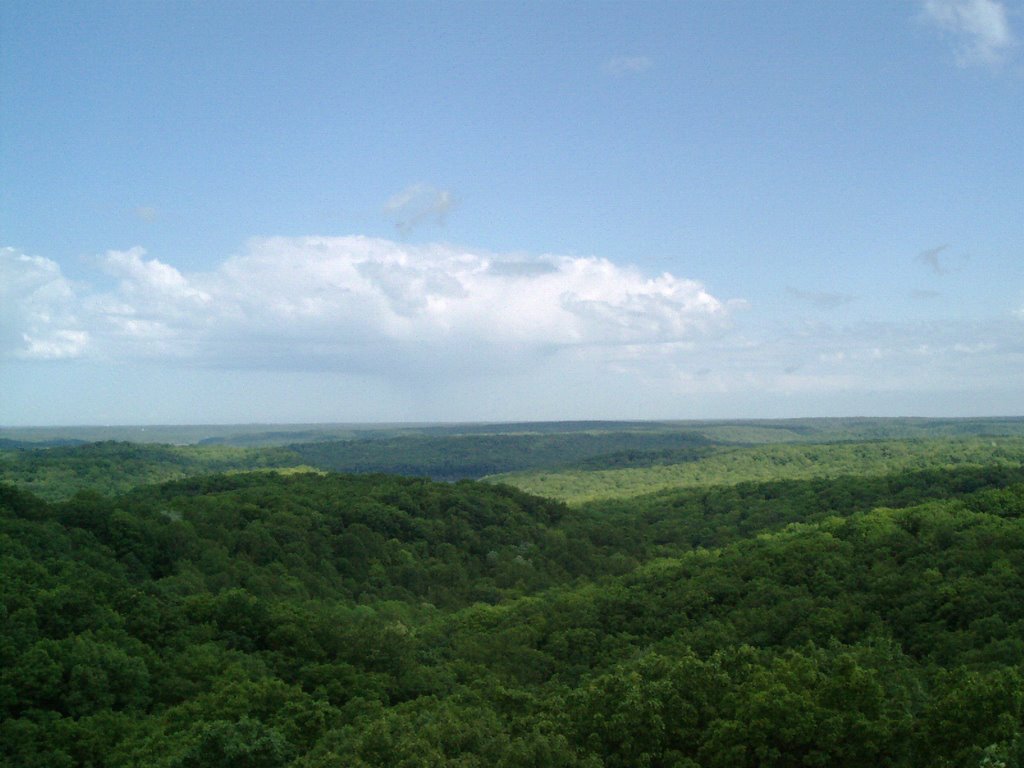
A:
[689,595]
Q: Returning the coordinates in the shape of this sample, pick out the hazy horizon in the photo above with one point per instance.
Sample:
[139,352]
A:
[193,432]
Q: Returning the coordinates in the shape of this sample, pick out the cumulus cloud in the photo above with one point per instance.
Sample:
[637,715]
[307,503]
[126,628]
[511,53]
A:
[627,65]
[360,304]
[360,297]
[980,28]
[154,312]
[150,279]
[418,204]
[37,309]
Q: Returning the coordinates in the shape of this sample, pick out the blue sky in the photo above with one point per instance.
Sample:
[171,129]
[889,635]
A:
[272,212]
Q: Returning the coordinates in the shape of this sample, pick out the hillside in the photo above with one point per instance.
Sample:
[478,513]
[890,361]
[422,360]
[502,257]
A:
[325,620]
[57,473]
[728,465]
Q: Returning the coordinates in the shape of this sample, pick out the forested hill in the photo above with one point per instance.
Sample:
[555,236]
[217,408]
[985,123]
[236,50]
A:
[57,473]
[736,464]
[326,620]
[574,466]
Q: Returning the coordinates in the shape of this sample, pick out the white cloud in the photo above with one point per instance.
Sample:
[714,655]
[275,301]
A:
[362,304]
[418,204]
[628,65]
[37,303]
[56,344]
[154,312]
[152,280]
[365,302]
[980,27]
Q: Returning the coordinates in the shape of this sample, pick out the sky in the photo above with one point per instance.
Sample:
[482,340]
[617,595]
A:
[268,212]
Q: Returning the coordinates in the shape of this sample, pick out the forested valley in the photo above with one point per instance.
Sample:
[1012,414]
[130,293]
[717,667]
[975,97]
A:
[764,594]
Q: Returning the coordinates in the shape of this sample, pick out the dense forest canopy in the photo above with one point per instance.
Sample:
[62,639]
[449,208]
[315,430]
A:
[164,606]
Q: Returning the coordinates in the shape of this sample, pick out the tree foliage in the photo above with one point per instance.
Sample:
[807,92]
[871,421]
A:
[313,620]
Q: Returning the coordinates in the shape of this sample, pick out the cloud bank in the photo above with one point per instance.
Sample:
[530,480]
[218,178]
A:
[379,327]
[350,304]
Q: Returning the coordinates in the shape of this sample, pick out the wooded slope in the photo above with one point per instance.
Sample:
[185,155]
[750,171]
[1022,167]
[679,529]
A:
[329,620]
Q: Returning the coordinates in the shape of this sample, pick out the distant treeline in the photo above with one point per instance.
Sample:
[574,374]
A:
[7,444]
[737,431]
